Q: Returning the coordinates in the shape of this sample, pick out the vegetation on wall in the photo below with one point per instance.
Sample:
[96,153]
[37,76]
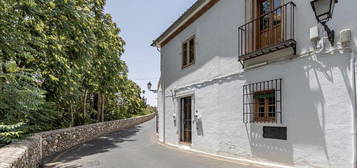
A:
[61,66]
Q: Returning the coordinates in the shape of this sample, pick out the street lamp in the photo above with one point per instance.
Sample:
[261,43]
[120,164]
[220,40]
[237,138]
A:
[149,85]
[323,10]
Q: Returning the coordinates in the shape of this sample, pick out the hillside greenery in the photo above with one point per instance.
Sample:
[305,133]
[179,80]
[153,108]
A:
[61,66]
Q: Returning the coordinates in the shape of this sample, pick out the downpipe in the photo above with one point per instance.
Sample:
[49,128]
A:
[163,96]
[354,115]
[164,100]
[163,113]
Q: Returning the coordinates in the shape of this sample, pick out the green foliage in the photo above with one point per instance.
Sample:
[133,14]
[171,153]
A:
[60,65]
[9,133]
[19,96]
[22,103]
[146,111]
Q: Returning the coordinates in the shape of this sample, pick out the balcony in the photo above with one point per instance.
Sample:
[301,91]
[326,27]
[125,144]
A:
[269,37]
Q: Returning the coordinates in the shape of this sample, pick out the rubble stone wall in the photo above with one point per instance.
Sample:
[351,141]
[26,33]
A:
[29,152]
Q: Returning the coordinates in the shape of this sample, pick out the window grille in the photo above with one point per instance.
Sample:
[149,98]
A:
[262,102]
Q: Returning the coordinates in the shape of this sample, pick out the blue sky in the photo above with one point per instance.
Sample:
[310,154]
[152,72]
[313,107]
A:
[142,21]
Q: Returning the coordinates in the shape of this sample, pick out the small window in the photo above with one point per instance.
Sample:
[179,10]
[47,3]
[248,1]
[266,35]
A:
[262,102]
[264,109]
[188,52]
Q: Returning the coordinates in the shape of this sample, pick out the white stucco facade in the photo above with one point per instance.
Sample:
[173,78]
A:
[317,91]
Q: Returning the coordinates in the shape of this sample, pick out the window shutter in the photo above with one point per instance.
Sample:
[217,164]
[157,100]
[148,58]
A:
[192,50]
[184,54]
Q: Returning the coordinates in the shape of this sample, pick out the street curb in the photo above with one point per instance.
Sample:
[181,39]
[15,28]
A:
[246,162]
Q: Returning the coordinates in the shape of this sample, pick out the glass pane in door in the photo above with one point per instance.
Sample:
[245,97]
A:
[186,128]
[264,9]
[277,12]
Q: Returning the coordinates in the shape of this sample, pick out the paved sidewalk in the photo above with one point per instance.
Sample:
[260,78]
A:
[134,148]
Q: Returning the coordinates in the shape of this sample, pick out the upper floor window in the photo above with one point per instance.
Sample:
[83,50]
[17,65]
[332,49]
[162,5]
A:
[269,28]
[188,52]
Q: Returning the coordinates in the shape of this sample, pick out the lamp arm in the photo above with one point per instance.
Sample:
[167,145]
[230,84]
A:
[330,34]
[154,91]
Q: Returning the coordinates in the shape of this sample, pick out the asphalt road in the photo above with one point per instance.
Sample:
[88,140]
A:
[134,148]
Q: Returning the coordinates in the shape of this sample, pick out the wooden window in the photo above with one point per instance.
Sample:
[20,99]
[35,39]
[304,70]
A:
[262,102]
[188,52]
[265,105]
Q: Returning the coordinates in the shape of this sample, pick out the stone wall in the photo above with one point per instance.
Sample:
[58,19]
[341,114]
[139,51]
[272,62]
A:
[29,152]
[24,154]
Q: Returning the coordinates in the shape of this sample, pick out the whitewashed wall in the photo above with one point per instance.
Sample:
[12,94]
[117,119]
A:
[317,93]
[160,112]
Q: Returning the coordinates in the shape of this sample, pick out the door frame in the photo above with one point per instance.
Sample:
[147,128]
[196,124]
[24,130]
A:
[256,12]
[179,115]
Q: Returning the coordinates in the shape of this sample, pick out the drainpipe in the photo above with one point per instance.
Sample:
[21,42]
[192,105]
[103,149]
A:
[354,115]
[163,97]
[164,113]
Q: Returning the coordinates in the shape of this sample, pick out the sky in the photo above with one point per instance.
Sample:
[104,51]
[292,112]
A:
[141,22]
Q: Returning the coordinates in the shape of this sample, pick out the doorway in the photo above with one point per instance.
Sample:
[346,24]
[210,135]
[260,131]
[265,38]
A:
[186,120]
[269,27]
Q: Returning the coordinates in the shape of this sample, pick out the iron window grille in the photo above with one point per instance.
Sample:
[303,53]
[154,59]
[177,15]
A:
[262,102]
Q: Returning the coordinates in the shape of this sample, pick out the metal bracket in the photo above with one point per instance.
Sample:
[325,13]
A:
[330,34]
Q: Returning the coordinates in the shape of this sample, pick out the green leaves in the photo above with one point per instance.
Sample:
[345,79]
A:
[53,78]
[9,133]
[11,67]
[56,57]
[19,97]
[8,128]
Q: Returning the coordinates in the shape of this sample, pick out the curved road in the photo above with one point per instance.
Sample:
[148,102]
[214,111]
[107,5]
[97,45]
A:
[134,148]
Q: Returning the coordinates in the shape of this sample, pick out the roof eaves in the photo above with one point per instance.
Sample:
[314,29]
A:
[182,18]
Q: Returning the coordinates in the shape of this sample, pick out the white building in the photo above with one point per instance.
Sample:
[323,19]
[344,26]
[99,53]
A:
[258,80]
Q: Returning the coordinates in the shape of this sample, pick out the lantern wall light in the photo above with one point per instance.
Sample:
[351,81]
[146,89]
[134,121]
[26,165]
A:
[149,85]
[323,10]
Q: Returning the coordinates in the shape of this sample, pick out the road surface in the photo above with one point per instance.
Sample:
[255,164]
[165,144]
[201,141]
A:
[134,148]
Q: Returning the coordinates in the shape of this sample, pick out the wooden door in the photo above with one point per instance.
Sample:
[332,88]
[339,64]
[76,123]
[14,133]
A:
[186,120]
[269,27]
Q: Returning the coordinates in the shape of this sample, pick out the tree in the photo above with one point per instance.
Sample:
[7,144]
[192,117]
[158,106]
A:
[66,63]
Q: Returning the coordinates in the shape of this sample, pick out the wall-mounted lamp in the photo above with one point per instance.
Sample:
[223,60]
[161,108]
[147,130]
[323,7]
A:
[197,116]
[149,85]
[323,10]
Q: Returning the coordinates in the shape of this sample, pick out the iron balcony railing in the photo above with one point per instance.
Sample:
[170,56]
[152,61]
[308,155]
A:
[269,32]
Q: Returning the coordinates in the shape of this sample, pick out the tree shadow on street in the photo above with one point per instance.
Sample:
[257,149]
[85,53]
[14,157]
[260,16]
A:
[101,144]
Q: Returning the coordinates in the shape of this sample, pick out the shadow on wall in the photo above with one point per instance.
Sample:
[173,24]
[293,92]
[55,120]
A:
[199,127]
[221,80]
[269,149]
[304,106]
[99,145]
[304,110]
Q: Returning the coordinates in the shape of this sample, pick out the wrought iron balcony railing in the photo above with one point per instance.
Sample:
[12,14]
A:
[269,32]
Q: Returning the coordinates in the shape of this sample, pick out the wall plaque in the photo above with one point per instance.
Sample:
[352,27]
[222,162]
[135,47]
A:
[275,133]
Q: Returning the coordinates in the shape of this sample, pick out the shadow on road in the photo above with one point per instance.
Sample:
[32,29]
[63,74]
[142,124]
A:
[101,144]
[135,148]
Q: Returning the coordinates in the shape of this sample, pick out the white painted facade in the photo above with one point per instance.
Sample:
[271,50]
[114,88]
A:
[317,92]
